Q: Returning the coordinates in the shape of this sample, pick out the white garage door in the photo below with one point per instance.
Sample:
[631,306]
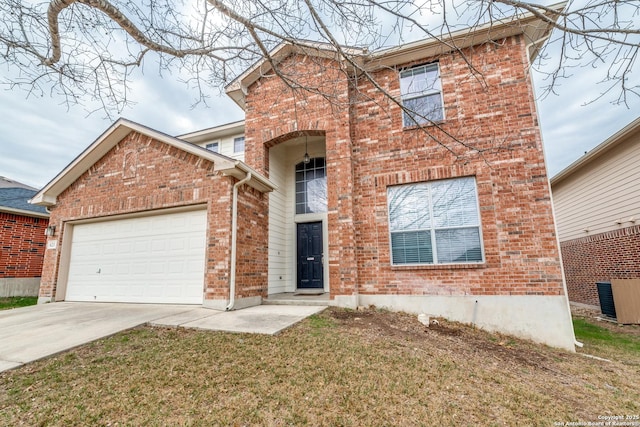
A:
[154,259]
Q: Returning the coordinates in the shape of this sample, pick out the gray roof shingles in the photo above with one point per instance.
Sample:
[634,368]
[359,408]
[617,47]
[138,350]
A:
[17,197]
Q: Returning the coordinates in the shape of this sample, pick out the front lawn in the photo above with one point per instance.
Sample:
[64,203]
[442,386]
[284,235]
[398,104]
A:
[340,367]
[15,302]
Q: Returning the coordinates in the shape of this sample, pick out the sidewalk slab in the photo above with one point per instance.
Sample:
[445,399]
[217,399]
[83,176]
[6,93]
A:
[181,319]
[261,319]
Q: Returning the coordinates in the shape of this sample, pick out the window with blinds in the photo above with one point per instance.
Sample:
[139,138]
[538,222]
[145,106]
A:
[435,222]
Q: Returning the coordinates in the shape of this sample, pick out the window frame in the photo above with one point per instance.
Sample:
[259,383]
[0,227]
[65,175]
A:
[432,230]
[212,144]
[418,120]
[235,146]
[305,203]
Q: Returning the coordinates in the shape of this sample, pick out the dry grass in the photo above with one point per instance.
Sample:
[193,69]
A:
[337,368]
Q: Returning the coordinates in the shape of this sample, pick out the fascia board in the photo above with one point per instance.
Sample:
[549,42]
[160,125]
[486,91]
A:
[532,27]
[23,212]
[236,90]
[240,171]
[604,147]
[213,132]
[47,196]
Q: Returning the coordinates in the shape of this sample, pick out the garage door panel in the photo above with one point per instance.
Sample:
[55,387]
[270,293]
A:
[141,246]
[121,247]
[178,246]
[139,268]
[139,260]
[86,250]
[123,269]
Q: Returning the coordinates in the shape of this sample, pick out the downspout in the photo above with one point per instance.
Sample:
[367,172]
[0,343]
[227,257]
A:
[234,238]
[553,210]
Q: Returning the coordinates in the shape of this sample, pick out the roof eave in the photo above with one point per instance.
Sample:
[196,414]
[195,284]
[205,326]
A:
[240,171]
[23,212]
[533,28]
[47,196]
[235,92]
[601,149]
[213,132]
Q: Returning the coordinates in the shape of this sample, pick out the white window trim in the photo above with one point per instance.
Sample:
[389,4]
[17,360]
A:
[217,143]
[404,97]
[295,193]
[432,231]
[243,144]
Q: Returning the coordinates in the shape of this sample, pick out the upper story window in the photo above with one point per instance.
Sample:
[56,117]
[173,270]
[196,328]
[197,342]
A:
[435,222]
[311,186]
[421,94]
[238,144]
[214,146]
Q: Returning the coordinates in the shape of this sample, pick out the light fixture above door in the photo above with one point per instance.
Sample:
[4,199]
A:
[306,159]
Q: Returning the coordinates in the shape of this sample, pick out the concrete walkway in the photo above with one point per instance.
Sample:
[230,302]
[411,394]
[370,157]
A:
[31,333]
[261,319]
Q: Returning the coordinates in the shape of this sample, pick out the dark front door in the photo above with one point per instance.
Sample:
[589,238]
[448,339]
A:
[310,275]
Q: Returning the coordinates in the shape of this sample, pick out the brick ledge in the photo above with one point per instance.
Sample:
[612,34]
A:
[439,266]
[623,232]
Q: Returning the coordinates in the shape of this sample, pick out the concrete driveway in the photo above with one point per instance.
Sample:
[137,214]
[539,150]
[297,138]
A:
[31,333]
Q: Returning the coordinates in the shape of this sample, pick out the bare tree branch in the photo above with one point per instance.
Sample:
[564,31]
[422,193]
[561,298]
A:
[91,50]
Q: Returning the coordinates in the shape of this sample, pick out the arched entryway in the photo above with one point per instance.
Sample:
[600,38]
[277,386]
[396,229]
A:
[298,231]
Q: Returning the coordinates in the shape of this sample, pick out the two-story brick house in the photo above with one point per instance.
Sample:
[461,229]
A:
[335,189]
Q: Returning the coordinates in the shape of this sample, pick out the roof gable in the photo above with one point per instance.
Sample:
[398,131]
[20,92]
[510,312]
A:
[239,87]
[47,196]
[535,30]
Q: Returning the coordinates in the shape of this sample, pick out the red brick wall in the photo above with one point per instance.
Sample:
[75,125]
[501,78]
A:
[600,258]
[164,177]
[274,112]
[368,150]
[22,243]
[252,244]
[497,118]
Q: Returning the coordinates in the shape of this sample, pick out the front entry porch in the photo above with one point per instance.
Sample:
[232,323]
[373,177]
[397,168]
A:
[298,223]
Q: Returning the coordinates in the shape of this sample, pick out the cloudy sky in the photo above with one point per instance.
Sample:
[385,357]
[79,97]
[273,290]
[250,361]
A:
[39,136]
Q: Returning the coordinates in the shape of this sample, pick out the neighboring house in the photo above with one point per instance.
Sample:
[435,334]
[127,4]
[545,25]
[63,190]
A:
[338,192]
[597,205]
[22,239]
